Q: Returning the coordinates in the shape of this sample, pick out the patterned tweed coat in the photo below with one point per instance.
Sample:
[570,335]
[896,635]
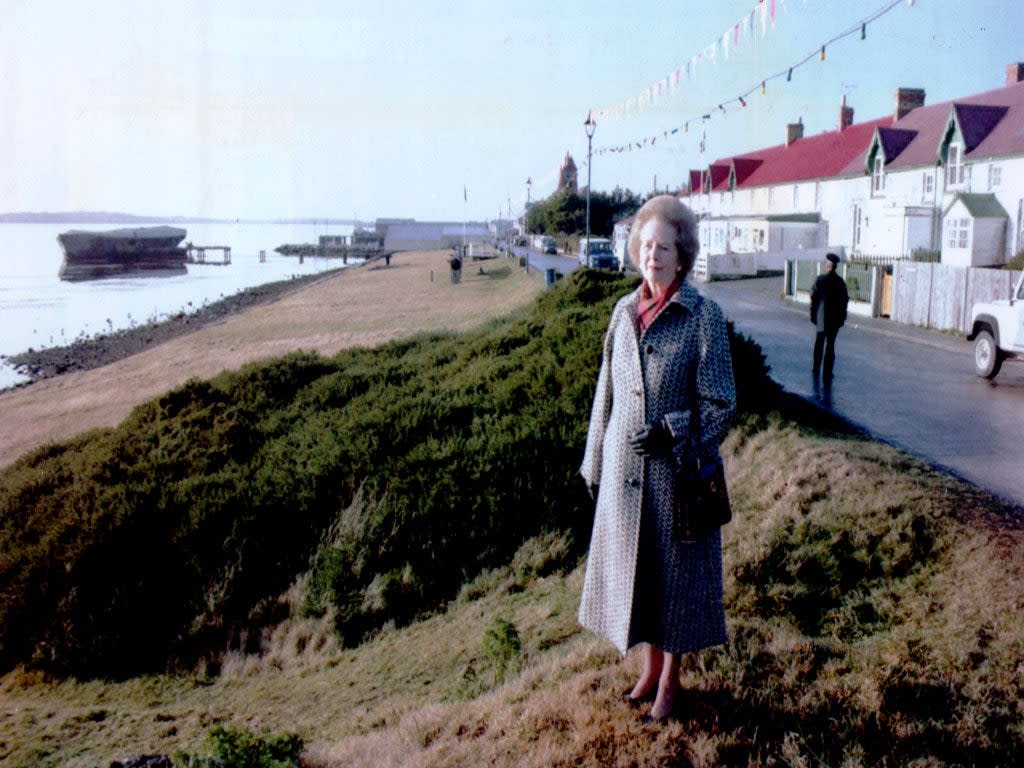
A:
[640,584]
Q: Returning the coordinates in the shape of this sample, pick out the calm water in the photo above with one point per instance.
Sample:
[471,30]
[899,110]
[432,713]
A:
[40,310]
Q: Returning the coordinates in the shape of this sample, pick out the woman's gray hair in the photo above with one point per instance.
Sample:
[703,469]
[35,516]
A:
[668,209]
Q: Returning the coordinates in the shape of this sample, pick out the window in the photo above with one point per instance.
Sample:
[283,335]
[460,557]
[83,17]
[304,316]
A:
[954,166]
[878,175]
[927,185]
[995,176]
[817,195]
[796,196]
[771,196]
[858,224]
[958,233]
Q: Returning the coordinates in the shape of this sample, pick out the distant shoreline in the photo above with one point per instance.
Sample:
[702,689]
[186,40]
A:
[100,350]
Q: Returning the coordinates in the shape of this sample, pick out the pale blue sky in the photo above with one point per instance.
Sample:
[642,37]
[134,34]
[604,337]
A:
[260,109]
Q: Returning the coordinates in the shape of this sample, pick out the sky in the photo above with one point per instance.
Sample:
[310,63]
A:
[441,111]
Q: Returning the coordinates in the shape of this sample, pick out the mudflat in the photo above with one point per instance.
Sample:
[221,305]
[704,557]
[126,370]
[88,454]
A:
[361,306]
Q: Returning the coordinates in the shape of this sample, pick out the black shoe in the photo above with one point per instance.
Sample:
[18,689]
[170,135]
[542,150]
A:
[627,696]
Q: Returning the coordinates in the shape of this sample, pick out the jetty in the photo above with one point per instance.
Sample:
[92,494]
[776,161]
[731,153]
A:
[196,254]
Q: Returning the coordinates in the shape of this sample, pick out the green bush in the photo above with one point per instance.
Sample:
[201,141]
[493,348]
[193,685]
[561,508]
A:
[504,648]
[1017,262]
[239,748]
[398,473]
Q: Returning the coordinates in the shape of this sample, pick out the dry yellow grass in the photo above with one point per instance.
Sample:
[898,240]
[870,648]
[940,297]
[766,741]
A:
[364,306]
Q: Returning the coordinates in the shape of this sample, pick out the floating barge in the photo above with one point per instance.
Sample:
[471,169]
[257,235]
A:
[89,255]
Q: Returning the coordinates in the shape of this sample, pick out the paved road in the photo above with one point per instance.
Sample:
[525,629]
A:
[910,387]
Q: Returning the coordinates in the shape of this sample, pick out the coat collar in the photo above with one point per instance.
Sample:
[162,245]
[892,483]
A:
[686,297]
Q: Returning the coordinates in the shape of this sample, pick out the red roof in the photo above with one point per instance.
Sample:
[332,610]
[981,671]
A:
[810,157]
[719,173]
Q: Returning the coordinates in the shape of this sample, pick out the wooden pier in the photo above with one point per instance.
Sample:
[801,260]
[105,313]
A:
[196,254]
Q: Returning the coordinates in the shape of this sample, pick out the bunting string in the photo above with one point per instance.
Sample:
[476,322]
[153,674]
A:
[760,86]
[744,31]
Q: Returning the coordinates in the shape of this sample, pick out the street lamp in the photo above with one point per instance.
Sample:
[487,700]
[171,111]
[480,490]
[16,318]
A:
[526,214]
[589,127]
[526,224]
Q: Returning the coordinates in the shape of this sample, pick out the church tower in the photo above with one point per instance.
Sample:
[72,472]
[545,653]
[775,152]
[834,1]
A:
[567,175]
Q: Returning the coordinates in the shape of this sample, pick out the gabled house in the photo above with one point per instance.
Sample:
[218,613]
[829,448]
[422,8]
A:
[886,188]
[974,230]
[931,154]
[774,200]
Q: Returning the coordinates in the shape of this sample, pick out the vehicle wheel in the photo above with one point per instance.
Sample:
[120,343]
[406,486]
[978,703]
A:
[988,358]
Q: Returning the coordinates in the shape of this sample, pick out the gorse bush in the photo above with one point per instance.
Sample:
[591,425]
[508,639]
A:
[394,475]
[239,748]
[503,647]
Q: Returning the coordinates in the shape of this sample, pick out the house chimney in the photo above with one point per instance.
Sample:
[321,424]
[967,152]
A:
[908,99]
[1015,73]
[794,131]
[845,115]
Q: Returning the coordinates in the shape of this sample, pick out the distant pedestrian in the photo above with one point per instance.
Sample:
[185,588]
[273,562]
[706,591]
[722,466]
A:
[455,262]
[829,299]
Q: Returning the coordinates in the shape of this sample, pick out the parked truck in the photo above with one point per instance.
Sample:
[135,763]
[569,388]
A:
[997,330]
[545,244]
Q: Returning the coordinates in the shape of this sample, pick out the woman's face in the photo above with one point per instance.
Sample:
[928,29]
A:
[659,259]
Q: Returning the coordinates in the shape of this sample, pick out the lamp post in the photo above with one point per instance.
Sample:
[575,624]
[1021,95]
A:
[526,223]
[526,213]
[589,127]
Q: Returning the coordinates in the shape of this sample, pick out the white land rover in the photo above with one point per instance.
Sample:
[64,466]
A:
[997,330]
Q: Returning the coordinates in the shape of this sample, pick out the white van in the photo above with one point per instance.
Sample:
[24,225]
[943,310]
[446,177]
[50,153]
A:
[597,253]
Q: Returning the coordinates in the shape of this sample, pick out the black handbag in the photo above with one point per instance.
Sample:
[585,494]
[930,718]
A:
[700,503]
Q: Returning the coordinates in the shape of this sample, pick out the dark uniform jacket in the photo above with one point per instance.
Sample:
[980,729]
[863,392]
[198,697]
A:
[828,302]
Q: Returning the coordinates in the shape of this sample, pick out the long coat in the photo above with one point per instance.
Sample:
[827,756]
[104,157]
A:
[641,585]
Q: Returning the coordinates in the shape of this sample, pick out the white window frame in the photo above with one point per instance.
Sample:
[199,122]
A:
[927,185]
[955,165]
[958,232]
[878,175]
[995,175]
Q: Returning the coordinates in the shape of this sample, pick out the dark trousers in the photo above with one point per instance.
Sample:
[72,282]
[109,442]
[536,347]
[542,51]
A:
[825,347]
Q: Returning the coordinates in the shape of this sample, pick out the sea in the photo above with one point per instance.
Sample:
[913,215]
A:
[40,310]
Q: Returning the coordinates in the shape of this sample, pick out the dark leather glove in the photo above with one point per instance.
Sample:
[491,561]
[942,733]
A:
[651,440]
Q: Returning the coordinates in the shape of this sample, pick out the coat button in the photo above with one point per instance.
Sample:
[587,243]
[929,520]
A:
[634,483]
[649,349]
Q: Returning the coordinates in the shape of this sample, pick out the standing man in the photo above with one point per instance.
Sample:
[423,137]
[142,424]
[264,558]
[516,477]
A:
[455,262]
[828,313]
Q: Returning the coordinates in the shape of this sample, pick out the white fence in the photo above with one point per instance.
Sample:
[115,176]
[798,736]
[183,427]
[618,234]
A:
[940,296]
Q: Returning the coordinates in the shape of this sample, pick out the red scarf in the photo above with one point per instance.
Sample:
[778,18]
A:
[650,305]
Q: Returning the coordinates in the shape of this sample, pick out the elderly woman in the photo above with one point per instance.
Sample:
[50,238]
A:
[665,395]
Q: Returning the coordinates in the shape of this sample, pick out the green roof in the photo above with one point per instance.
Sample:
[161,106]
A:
[813,218]
[979,206]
